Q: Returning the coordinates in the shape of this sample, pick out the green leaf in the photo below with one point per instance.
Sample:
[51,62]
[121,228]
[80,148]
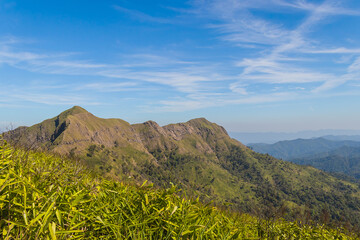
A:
[52,229]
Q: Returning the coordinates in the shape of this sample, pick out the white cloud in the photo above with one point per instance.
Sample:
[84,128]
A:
[355,66]
[52,99]
[340,50]
[238,88]
[183,81]
[254,31]
[110,86]
[188,104]
[239,25]
[329,7]
[141,16]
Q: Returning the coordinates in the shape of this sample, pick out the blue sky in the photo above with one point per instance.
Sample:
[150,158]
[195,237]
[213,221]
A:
[249,65]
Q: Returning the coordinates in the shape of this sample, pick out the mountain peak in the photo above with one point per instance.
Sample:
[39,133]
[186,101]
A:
[200,121]
[203,123]
[74,110]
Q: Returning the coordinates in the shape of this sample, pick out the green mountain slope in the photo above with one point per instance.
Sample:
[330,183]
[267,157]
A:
[200,157]
[48,197]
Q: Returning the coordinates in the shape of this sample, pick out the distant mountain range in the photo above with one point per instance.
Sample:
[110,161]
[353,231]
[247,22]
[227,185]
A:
[335,155]
[273,137]
[199,157]
[343,137]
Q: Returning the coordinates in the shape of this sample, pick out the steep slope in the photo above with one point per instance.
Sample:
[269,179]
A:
[200,157]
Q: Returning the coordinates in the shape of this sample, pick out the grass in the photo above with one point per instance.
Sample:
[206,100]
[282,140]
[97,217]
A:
[43,196]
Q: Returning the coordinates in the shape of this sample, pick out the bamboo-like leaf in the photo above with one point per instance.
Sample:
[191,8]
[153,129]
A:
[25,217]
[173,211]
[58,216]
[52,229]
[146,199]
[144,183]
[33,221]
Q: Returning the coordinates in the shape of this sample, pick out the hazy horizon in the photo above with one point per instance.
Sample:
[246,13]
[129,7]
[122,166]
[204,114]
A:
[273,137]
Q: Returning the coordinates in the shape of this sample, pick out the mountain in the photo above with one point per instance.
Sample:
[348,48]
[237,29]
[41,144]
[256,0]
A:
[301,147]
[344,159]
[341,156]
[197,155]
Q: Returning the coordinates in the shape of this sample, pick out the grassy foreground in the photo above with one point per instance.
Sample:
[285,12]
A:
[47,197]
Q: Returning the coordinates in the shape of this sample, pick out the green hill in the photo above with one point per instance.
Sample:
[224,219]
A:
[47,197]
[201,159]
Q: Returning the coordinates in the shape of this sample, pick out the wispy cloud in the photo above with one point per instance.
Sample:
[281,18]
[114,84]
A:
[183,81]
[355,66]
[47,99]
[239,25]
[141,16]
[190,103]
[340,50]
[110,87]
[13,97]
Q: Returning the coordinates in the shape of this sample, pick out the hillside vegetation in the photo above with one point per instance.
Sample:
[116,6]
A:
[47,197]
[200,158]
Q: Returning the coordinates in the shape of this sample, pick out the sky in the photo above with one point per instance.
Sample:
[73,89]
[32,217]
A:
[248,65]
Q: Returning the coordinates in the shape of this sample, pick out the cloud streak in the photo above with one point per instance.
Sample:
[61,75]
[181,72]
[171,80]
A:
[140,15]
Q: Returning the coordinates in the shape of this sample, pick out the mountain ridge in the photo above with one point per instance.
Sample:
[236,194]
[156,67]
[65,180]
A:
[85,127]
